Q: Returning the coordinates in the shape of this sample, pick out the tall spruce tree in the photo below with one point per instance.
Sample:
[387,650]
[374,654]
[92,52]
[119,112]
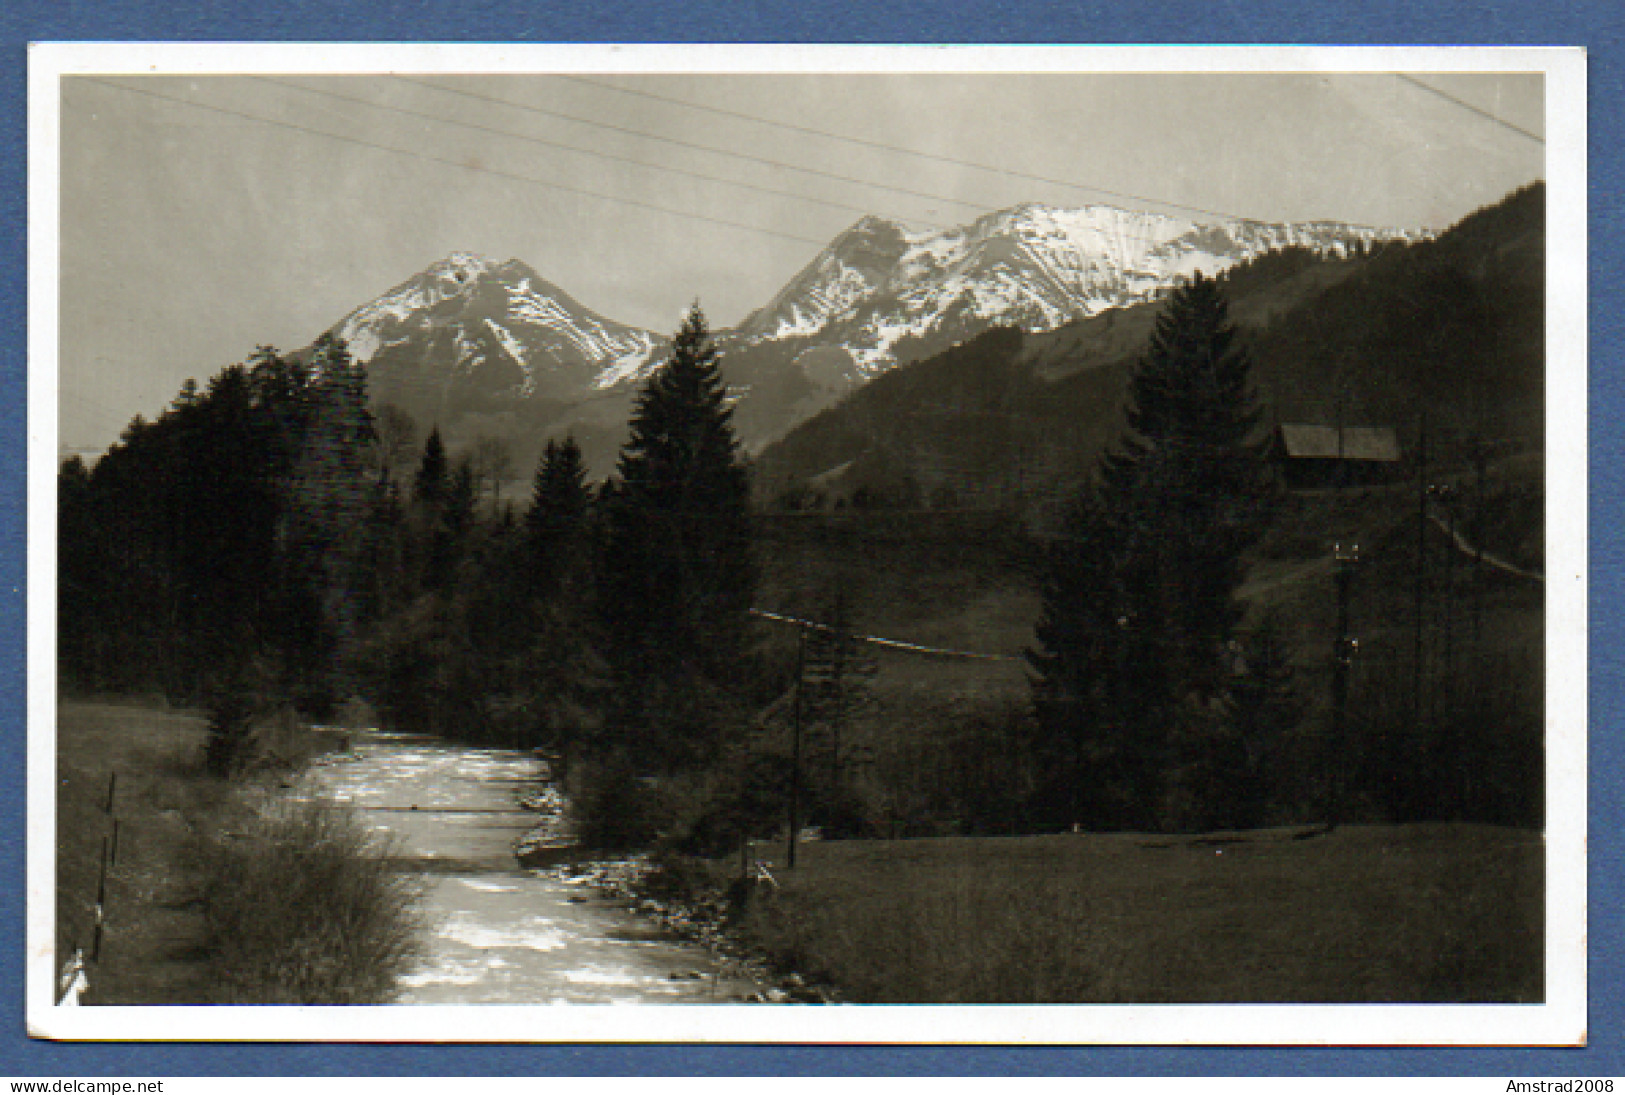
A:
[559,660]
[1139,605]
[442,515]
[331,495]
[202,540]
[675,576]
[429,486]
[1097,766]
[556,520]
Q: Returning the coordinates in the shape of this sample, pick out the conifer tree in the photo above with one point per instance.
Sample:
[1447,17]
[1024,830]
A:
[429,487]
[1186,494]
[551,651]
[220,519]
[441,512]
[462,494]
[446,516]
[557,515]
[81,595]
[1096,770]
[835,681]
[1266,706]
[187,396]
[676,575]
[330,499]
[1139,606]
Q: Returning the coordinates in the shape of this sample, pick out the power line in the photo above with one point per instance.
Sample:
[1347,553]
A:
[1151,241]
[692,145]
[884,147]
[460,165]
[68,393]
[531,139]
[566,188]
[1481,112]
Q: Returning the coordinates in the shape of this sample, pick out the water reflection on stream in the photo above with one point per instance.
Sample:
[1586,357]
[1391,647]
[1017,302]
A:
[498,933]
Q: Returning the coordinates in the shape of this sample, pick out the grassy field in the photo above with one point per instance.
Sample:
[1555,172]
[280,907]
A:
[1437,913]
[207,900]
[151,949]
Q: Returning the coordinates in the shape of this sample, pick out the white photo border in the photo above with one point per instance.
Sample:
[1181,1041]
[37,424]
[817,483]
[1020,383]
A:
[1560,1020]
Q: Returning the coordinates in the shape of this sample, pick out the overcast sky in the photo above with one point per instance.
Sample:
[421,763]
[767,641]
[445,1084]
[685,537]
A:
[202,216]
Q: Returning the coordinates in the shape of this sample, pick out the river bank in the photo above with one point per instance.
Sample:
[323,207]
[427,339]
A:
[691,899]
[177,886]
[184,849]
[696,905]
[497,931]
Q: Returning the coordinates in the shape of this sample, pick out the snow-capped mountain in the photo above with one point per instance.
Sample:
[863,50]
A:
[493,332]
[1031,266]
[479,347]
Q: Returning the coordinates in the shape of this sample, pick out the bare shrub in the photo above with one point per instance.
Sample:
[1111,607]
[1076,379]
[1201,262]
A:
[305,908]
[248,734]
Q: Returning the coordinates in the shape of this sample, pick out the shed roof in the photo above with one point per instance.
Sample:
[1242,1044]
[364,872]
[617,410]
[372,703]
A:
[1378,443]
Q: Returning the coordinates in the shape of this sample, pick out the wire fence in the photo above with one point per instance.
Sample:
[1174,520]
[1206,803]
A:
[74,980]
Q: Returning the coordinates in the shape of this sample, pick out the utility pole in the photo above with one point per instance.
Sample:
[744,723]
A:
[1480,459]
[1445,493]
[1340,475]
[795,749]
[1448,493]
[1418,666]
[1343,650]
[1453,733]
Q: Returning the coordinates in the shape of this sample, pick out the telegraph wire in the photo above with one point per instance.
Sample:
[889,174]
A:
[460,165]
[548,143]
[695,146]
[1480,111]
[1151,241]
[884,147]
[982,208]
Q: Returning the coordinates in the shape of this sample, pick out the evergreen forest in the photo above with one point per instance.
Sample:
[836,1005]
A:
[1162,642]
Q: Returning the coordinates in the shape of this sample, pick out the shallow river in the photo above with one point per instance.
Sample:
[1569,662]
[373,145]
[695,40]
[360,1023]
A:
[499,933]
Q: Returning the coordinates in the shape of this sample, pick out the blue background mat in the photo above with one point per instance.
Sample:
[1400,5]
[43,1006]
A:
[1595,24]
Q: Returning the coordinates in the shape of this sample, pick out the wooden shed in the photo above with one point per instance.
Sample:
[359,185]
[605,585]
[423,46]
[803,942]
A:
[1311,456]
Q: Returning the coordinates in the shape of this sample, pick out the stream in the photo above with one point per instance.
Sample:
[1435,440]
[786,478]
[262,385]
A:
[498,933]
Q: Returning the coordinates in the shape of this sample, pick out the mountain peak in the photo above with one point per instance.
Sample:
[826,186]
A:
[1032,265]
[459,266]
[481,342]
[494,332]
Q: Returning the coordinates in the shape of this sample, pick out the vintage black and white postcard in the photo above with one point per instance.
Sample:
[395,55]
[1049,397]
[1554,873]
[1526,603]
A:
[826,544]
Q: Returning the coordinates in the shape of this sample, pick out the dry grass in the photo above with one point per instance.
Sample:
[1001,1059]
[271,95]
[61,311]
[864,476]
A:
[1368,914]
[175,931]
[149,951]
[304,906]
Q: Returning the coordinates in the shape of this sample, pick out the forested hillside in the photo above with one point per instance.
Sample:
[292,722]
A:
[268,544]
[1454,325]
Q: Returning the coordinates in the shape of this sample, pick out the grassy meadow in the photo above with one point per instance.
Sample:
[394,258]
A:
[1378,911]
[208,899]
[1378,914]
[152,945]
